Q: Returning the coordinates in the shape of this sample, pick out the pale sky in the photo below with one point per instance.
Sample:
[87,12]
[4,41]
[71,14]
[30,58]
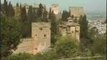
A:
[89,5]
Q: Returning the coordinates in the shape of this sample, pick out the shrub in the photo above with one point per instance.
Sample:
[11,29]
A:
[65,47]
[20,56]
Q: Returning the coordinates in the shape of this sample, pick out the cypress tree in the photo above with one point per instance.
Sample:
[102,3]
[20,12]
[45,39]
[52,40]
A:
[40,11]
[11,11]
[50,13]
[5,7]
[24,22]
[83,27]
[54,29]
[45,14]
[65,15]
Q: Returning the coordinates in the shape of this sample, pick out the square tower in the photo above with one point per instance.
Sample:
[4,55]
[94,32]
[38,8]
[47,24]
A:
[41,35]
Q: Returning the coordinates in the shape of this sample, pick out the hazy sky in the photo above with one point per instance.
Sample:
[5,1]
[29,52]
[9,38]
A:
[89,5]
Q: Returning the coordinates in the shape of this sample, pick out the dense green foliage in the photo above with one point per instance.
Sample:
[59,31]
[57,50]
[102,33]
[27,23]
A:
[10,35]
[65,15]
[83,26]
[65,47]
[54,29]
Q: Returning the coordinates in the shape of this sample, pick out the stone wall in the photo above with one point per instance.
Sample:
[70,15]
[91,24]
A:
[40,40]
[76,11]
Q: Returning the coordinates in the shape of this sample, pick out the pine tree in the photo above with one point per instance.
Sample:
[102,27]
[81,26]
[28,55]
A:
[65,15]
[11,11]
[54,29]
[50,13]
[5,7]
[23,14]
[0,8]
[17,5]
[10,36]
[83,27]
[24,22]
[30,19]
[30,14]
[45,14]
[40,11]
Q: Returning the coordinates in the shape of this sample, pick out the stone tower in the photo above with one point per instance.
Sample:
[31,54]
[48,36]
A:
[76,12]
[70,29]
[56,10]
[40,40]
[41,34]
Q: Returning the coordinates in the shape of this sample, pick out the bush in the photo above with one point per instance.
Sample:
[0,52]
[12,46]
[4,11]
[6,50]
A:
[65,47]
[20,56]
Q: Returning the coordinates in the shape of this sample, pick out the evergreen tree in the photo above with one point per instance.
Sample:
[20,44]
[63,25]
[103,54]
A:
[65,15]
[40,11]
[17,5]
[0,8]
[11,11]
[30,14]
[23,14]
[50,13]
[83,27]
[45,14]
[24,22]
[5,7]
[30,19]
[10,36]
[54,29]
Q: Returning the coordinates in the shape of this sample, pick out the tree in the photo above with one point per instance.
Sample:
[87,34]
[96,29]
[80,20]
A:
[10,36]
[40,11]
[65,47]
[5,7]
[65,15]
[45,14]
[23,14]
[24,22]
[11,11]
[17,5]
[54,29]
[30,19]
[83,27]
[50,13]
[99,45]
[0,8]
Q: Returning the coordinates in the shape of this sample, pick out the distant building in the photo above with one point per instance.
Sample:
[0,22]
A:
[56,10]
[99,24]
[40,40]
[76,12]
[71,29]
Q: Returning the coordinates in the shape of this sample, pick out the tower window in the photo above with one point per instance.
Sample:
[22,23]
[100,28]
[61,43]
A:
[77,31]
[35,34]
[44,35]
[41,28]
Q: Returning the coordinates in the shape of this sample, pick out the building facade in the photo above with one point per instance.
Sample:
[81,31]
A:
[76,12]
[70,29]
[56,10]
[40,40]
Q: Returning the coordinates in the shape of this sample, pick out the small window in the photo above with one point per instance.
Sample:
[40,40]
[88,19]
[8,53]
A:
[77,31]
[41,28]
[35,34]
[36,48]
[44,35]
